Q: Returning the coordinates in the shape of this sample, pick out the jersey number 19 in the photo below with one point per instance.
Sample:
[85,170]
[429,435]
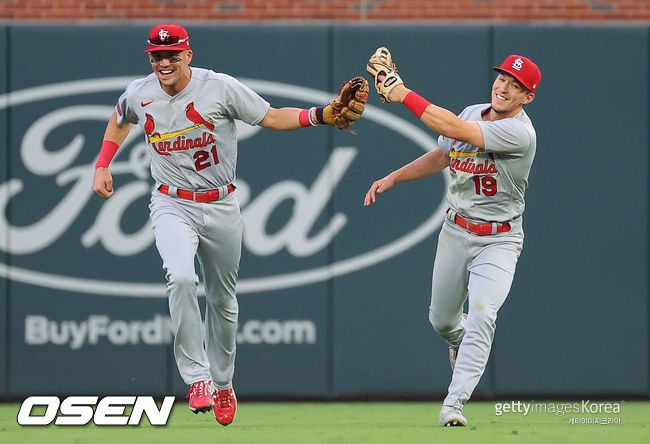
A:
[486,185]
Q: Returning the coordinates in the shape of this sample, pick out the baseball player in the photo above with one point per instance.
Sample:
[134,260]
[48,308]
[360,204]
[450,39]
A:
[489,149]
[188,117]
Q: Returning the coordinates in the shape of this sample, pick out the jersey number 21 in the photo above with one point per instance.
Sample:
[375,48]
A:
[202,158]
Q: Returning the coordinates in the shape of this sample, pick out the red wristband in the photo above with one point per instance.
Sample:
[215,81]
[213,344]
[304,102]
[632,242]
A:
[106,154]
[416,103]
[303,118]
[312,116]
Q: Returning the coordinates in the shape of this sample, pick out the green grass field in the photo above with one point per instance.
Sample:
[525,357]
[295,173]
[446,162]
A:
[404,422]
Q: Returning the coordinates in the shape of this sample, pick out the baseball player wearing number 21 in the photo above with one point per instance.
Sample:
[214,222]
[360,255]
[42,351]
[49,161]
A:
[489,149]
[188,116]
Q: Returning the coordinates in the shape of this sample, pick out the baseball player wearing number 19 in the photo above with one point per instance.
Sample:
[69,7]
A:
[489,149]
[188,116]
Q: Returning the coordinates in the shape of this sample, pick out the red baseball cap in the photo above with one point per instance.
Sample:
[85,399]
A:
[168,37]
[522,69]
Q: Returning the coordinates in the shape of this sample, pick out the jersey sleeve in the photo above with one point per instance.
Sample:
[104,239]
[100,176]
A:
[445,143]
[508,136]
[242,103]
[123,111]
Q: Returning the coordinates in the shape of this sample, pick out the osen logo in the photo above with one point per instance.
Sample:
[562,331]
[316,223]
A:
[80,410]
[303,235]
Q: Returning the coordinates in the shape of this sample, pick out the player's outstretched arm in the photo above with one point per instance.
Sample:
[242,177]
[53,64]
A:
[424,166]
[340,113]
[281,119]
[391,88]
[448,124]
[113,138]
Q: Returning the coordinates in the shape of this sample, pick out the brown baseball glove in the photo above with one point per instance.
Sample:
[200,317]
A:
[348,106]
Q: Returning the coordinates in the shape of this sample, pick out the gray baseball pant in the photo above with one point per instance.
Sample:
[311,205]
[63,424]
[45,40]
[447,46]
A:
[212,231]
[481,269]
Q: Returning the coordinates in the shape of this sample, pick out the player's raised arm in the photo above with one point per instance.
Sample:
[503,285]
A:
[113,138]
[341,112]
[424,166]
[391,88]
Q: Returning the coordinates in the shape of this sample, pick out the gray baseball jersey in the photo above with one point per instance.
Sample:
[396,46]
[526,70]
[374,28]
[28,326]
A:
[192,136]
[489,184]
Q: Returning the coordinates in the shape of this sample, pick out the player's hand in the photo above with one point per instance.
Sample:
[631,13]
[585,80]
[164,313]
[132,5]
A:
[388,83]
[378,187]
[397,93]
[103,183]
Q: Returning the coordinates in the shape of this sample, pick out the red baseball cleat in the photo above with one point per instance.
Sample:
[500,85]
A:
[200,397]
[225,406]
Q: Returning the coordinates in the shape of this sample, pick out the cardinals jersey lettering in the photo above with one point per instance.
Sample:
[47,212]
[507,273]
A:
[489,184]
[192,136]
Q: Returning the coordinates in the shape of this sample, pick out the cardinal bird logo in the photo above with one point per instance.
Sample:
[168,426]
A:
[149,125]
[195,117]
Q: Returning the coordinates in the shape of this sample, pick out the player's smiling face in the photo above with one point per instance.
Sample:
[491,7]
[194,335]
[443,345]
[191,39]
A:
[508,95]
[172,69]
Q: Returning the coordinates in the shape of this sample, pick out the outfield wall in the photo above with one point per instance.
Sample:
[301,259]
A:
[333,296]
